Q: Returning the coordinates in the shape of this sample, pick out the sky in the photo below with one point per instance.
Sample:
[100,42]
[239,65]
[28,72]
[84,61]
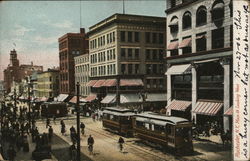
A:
[32,28]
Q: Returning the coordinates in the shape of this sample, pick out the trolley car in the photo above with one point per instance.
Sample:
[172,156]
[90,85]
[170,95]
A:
[50,109]
[168,131]
[118,120]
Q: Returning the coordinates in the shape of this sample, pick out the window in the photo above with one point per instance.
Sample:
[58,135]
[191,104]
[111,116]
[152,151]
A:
[148,83]
[173,25]
[201,42]
[122,36]
[154,54]
[137,53]
[114,70]
[147,37]
[154,38]
[107,38]
[123,52]
[113,36]
[123,68]
[137,37]
[113,53]
[218,12]
[161,54]
[148,68]
[148,54]
[129,53]
[161,70]
[160,38]
[136,68]
[174,52]
[231,8]
[130,68]
[218,38]
[201,16]
[186,20]
[154,68]
[173,3]
[129,36]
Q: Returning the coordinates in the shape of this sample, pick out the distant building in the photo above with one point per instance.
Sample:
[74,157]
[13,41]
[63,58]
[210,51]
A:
[199,60]
[16,72]
[126,61]
[47,84]
[82,73]
[70,45]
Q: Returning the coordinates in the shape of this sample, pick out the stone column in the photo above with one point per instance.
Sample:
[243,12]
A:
[194,91]
[226,65]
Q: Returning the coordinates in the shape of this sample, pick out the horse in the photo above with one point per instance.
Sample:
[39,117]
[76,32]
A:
[226,137]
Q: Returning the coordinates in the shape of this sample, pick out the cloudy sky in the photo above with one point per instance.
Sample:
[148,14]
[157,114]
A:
[35,26]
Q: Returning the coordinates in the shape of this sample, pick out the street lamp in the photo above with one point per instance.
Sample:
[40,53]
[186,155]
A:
[78,121]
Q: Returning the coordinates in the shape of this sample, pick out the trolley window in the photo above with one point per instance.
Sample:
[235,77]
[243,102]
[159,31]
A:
[183,132]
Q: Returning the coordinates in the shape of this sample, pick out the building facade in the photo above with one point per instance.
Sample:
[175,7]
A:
[16,72]
[70,45]
[82,73]
[199,60]
[48,84]
[126,59]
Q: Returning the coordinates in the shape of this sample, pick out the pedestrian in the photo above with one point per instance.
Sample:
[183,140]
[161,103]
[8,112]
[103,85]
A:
[54,119]
[121,142]
[50,133]
[47,123]
[11,153]
[91,142]
[63,129]
[72,152]
[82,126]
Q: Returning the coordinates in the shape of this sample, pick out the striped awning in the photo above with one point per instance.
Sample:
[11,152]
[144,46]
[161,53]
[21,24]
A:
[131,82]
[208,107]
[229,112]
[186,43]
[99,83]
[73,100]
[110,83]
[91,98]
[179,105]
[110,98]
[173,45]
[91,83]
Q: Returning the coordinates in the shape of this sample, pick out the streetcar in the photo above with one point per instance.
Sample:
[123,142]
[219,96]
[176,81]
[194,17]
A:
[118,120]
[50,109]
[168,131]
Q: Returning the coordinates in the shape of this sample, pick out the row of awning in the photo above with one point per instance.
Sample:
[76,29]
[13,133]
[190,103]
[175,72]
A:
[113,82]
[187,42]
[203,107]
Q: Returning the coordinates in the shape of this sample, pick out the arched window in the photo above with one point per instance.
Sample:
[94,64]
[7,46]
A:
[201,16]
[186,20]
[173,24]
[218,12]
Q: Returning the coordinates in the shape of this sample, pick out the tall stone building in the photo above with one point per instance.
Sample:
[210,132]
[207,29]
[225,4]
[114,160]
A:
[70,45]
[16,72]
[199,60]
[82,73]
[126,60]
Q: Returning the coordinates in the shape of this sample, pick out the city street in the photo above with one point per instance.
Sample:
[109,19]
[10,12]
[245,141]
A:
[106,146]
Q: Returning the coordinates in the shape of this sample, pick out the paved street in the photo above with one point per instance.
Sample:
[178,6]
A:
[106,146]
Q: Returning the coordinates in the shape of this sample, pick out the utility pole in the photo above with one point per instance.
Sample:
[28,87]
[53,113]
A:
[29,102]
[15,108]
[78,122]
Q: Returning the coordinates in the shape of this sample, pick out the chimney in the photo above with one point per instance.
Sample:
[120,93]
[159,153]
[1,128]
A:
[82,30]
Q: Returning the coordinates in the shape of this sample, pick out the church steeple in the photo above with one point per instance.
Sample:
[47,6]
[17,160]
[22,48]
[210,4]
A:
[13,58]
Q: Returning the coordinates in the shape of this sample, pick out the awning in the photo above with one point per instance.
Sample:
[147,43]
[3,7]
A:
[206,61]
[110,98]
[229,112]
[43,99]
[218,6]
[110,83]
[173,45]
[179,69]
[73,99]
[99,83]
[91,98]
[130,98]
[174,22]
[208,107]
[91,83]
[179,105]
[201,36]
[186,43]
[61,97]
[155,97]
[131,82]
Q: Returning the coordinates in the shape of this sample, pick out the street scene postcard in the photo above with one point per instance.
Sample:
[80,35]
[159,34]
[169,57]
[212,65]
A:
[125,80]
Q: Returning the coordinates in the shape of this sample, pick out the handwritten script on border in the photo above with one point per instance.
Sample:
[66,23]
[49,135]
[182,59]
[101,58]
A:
[241,112]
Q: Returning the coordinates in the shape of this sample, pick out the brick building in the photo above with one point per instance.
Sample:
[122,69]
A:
[70,45]
[199,60]
[16,72]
